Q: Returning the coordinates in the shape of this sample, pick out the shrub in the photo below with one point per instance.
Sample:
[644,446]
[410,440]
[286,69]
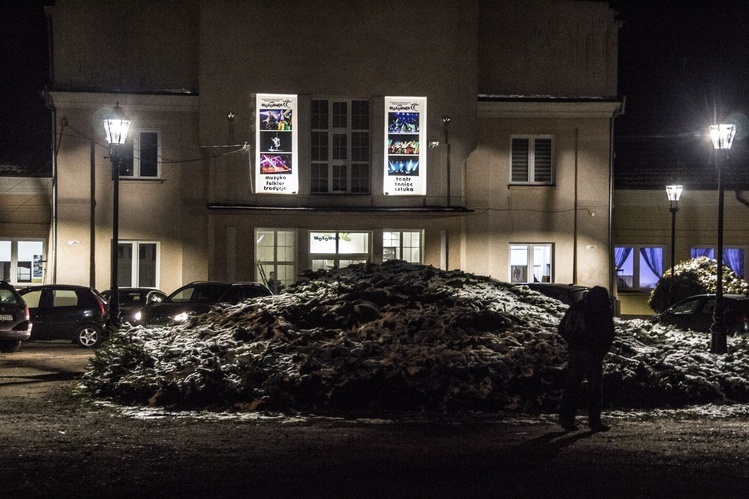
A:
[693,277]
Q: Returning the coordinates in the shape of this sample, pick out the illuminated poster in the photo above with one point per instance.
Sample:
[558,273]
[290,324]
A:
[276,164]
[405,134]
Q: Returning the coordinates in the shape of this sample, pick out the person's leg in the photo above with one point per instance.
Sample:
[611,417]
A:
[594,375]
[573,380]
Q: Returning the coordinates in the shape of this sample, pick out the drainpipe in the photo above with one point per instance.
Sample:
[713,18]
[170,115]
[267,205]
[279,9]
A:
[51,274]
[612,270]
[574,213]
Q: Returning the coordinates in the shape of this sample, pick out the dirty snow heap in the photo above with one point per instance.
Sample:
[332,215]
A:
[399,337]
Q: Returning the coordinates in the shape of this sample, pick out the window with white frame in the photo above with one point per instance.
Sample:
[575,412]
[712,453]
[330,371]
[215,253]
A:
[141,154]
[402,245]
[338,249]
[21,261]
[531,262]
[733,257]
[138,264]
[340,146]
[532,159]
[638,266]
[275,252]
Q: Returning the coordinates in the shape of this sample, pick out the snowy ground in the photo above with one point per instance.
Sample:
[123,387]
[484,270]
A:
[373,339]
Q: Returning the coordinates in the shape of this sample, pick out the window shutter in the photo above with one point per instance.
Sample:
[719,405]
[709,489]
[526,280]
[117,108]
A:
[520,163]
[542,161]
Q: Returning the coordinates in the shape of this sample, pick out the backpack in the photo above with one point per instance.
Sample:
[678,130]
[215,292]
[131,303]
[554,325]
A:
[572,327]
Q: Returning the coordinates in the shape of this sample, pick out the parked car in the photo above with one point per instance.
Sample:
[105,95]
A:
[696,313]
[133,299]
[15,323]
[566,293]
[198,298]
[67,312]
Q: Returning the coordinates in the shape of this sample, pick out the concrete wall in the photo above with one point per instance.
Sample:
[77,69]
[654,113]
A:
[354,49]
[150,210]
[573,213]
[446,50]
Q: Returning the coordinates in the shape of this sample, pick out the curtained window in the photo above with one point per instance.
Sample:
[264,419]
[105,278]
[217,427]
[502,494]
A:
[732,257]
[638,267]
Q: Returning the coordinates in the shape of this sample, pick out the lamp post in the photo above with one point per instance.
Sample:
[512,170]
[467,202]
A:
[674,193]
[722,137]
[116,125]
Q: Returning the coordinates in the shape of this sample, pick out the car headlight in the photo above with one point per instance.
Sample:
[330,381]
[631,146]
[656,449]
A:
[138,316]
[181,317]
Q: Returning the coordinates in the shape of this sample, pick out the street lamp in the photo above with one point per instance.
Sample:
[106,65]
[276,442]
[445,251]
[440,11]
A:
[722,136]
[116,125]
[674,193]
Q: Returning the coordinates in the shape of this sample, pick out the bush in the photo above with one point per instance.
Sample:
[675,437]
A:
[694,277]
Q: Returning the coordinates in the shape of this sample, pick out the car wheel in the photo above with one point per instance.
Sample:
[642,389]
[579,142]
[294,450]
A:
[9,346]
[89,336]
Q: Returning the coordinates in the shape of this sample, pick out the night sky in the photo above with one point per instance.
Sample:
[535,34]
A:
[681,63]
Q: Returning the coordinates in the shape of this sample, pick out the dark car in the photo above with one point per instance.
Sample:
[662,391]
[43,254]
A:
[67,312]
[15,323]
[566,293]
[133,299]
[696,313]
[198,298]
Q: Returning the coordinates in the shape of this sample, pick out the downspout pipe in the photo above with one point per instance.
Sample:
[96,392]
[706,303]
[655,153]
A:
[612,270]
[51,274]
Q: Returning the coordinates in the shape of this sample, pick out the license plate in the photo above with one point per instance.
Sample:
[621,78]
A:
[6,317]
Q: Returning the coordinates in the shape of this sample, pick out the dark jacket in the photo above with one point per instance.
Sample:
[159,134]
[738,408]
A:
[588,323]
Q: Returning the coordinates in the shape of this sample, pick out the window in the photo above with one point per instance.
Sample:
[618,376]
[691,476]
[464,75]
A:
[532,160]
[21,261]
[141,156]
[340,146]
[530,262]
[137,264]
[638,267]
[732,257]
[336,249]
[402,245]
[275,251]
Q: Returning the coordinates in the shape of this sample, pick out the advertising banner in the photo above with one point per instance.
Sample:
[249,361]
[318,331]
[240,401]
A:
[276,157]
[405,154]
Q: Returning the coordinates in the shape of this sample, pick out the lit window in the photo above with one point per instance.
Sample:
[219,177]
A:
[402,245]
[638,267]
[338,249]
[532,159]
[733,258]
[275,252]
[21,261]
[530,262]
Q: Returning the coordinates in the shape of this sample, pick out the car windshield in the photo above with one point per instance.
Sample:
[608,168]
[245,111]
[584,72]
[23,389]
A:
[200,293]
[132,297]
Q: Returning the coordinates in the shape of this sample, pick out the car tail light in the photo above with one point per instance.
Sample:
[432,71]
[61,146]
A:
[742,320]
[102,308]
[26,313]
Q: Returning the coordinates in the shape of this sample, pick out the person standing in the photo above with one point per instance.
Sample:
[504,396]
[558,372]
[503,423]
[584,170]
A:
[274,284]
[588,328]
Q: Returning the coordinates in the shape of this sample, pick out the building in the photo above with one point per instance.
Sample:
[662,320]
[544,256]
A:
[280,137]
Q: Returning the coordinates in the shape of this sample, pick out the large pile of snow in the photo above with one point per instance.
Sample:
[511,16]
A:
[397,336]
